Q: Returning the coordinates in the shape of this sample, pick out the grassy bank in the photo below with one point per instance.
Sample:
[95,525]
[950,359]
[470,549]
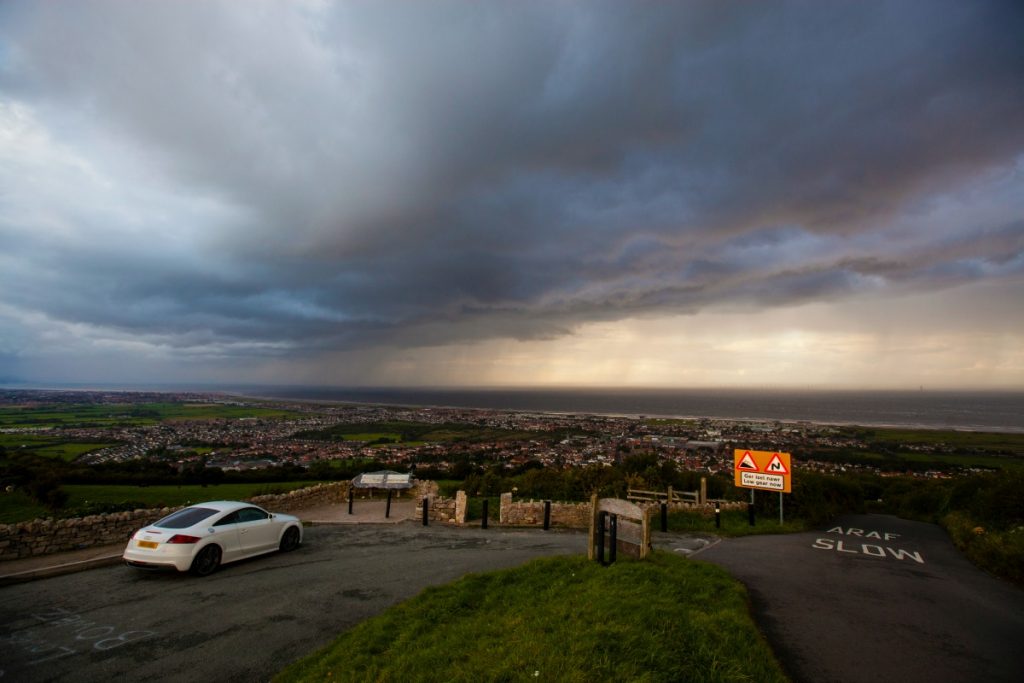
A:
[92,498]
[733,523]
[562,619]
[998,551]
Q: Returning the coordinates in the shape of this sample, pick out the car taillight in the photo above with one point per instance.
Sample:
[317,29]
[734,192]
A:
[182,538]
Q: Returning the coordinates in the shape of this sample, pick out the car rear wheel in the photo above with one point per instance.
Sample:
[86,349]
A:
[206,561]
[290,540]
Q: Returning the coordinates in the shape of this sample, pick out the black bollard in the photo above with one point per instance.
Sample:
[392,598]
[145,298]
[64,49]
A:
[547,515]
[387,510]
[601,519]
[350,500]
[718,517]
[664,517]
[613,528]
[483,519]
[426,504]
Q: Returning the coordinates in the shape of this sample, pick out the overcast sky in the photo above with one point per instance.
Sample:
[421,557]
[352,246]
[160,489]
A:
[810,194]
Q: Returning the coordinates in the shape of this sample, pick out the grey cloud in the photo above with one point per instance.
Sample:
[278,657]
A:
[425,174]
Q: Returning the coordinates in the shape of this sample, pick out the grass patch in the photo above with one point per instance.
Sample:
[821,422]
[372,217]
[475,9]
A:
[416,432]
[69,451]
[998,551]
[998,442]
[563,619]
[89,415]
[475,508]
[19,507]
[49,446]
[28,442]
[171,495]
[372,436]
[734,523]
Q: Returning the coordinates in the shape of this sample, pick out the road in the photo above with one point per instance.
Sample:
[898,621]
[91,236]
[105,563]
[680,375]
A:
[248,620]
[876,598]
[869,598]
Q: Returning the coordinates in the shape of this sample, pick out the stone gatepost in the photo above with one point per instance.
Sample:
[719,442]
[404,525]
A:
[505,508]
[460,507]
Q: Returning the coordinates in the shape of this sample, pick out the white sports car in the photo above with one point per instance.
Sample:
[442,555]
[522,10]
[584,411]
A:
[202,537]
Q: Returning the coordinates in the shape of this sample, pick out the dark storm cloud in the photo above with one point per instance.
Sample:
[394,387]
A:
[423,173]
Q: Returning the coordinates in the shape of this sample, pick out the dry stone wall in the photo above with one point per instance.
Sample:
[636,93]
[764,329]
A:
[46,536]
[577,515]
[531,513]
[444,510]
[300,499]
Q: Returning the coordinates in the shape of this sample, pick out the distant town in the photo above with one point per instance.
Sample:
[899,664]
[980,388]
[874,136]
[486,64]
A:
[280,433]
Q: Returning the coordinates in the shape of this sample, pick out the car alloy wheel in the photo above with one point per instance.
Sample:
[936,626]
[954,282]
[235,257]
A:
[206,561]
[290,540]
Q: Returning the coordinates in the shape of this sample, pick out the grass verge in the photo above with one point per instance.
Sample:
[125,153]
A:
[998,551]
[563,619]
[734,523]
[92,498]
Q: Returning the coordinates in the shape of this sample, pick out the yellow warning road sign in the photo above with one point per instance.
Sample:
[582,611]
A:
[765,470]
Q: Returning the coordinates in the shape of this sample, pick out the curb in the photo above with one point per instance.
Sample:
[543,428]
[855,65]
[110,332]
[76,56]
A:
[59,569]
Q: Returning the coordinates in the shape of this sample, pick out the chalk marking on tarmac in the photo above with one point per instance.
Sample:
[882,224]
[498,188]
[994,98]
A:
[710,545]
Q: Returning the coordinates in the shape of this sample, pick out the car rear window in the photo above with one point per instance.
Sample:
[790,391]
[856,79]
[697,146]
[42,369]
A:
[182,519]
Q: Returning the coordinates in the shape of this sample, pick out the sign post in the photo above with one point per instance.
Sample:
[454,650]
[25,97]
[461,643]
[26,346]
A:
[764,470]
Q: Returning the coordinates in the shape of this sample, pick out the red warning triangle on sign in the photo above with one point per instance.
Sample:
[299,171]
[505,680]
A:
[775,465]
[747,463]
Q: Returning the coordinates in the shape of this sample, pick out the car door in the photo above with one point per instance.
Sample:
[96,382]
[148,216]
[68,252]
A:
[257,532]
[225,533]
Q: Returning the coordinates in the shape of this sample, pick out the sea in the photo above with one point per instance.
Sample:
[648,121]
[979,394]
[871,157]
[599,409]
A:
[987,411]
[961,410]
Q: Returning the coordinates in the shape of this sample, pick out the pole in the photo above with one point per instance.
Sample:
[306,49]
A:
[664,516]
[601,517]
[426,504]
[547,515]
[750,508]
[350,499]
[483,520]
[613,532]
[780,509]
[387,510]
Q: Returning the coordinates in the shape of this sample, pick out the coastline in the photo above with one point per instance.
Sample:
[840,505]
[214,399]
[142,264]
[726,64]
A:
[953,410]
[742,418]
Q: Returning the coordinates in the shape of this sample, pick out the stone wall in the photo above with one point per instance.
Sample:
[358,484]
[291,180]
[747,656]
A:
[45,536]
[424,488]
[577,515]
[444,510]
[300,499]
[531,513]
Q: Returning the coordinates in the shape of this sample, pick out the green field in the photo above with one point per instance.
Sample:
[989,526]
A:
[974,442]
[49,446]
[18,507]
[372,437]
[415,433]
[129,414]
[560,619]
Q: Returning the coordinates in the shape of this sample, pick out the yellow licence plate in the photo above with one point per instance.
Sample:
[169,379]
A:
[148,544]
